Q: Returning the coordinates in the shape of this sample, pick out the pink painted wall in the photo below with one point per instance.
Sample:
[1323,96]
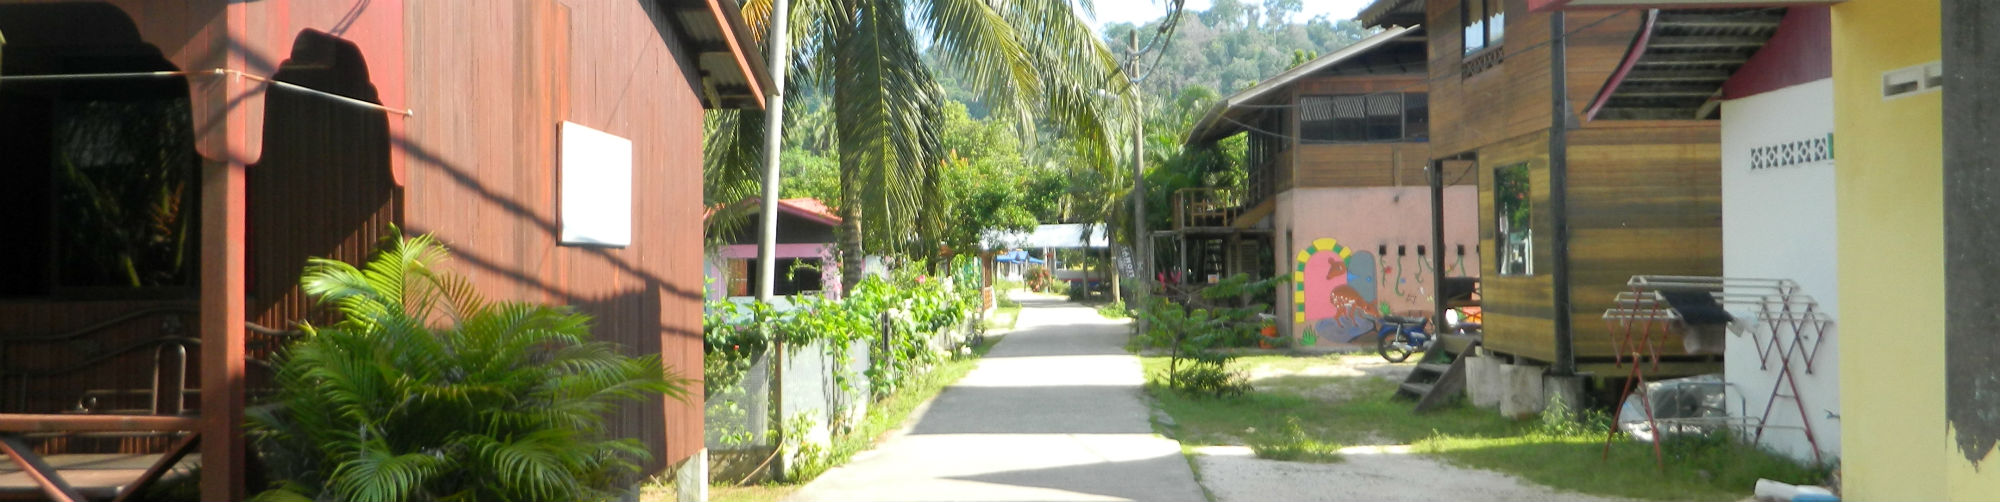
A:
[1349,227]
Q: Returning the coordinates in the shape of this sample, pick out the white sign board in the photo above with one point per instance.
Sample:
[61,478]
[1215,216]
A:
[596,179]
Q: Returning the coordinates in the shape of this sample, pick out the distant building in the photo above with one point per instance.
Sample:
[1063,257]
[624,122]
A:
[808,255]
[1339,200]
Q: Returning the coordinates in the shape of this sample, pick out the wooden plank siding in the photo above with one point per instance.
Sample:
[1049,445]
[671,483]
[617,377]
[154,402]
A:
[1519,311]
[1337,165]
[1644,197]
[1334,165]
[490,85]
[1511,99]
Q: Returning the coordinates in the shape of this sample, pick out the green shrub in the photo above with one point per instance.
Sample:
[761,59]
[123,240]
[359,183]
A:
[1208,375]
[1114,310]
[427,392]
[1037,278]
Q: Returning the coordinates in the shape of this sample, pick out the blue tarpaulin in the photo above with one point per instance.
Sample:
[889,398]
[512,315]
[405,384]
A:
[1018,256]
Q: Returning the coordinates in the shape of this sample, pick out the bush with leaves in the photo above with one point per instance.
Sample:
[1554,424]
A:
[1037,278]
[729,347]
[1190,336]
[428,392]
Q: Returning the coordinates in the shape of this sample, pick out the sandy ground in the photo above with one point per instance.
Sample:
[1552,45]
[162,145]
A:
[1383,472]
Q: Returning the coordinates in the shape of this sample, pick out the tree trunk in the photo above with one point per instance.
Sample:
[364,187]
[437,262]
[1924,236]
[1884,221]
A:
[852,260]
[1111,268]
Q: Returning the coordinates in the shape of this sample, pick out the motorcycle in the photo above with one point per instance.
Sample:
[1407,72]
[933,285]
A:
[1398,337]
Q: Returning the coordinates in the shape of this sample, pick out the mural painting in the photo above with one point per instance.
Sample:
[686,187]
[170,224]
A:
[1335,293]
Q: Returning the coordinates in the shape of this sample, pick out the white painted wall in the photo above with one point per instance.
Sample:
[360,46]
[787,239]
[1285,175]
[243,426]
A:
[1778,223]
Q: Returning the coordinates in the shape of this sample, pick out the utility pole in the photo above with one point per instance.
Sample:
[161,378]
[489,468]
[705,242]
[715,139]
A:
[1142,260]
[779,40]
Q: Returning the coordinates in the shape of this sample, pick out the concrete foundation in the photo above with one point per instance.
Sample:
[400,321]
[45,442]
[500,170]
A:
[1569,389]
[1521,390]
[1483,386]
[691,479]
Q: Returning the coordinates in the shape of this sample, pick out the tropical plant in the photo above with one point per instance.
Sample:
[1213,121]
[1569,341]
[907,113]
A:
[426,391]
[1190,336]
[1038,278]
[1035,61]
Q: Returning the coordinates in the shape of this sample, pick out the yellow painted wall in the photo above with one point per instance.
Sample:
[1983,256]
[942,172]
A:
[1890,196]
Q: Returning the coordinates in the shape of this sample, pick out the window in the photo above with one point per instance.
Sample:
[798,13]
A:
[1512,200]
[796,276]
[1364,117]
[1485,24]
[1416,116]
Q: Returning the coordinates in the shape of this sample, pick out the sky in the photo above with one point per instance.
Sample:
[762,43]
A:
[1139,11]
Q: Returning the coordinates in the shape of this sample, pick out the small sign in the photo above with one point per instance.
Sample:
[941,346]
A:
[596,179]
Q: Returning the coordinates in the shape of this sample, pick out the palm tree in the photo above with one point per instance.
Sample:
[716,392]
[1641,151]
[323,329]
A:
[1033,61]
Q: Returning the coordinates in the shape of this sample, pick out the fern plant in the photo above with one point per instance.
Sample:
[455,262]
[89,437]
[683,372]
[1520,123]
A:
[425,391]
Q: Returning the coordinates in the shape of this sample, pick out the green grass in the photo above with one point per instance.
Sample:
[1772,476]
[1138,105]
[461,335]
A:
[1294,445]
[1113,310]
[1004,316]
[767,492]
[885,415]
[1283,415]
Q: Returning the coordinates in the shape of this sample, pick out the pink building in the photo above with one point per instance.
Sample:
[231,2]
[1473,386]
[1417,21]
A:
[1340,196]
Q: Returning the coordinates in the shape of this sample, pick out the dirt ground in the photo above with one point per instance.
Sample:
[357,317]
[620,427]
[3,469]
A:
[1373,472]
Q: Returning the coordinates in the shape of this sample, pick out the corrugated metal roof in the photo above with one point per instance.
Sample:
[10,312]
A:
[1054,236]
[1392,13]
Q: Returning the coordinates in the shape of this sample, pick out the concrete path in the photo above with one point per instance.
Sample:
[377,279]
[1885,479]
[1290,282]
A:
[1052,413]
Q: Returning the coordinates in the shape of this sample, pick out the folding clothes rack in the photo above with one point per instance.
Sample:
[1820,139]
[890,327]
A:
[1793,321]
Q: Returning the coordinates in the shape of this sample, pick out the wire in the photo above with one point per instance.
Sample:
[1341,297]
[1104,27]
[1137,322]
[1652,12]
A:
[214,72]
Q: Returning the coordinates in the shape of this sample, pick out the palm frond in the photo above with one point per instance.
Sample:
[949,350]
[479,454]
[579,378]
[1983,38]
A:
[378,474]
[885,98]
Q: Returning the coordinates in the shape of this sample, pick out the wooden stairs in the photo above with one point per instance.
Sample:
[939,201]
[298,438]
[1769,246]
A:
[1440,374]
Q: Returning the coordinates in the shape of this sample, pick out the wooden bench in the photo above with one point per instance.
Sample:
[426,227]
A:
[80,477]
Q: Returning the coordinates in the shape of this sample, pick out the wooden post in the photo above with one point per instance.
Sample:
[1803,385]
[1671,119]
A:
[223,225]
[1439,325]
[1565,356]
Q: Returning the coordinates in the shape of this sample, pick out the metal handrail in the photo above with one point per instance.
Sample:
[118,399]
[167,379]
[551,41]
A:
[106,324]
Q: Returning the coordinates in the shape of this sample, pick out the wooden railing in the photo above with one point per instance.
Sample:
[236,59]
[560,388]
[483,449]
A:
[1206,207]
[100,367]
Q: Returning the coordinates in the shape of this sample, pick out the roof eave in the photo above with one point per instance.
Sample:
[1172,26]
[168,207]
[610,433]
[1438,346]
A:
[1207,128]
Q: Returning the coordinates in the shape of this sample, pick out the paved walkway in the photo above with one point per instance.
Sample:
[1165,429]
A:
[1052,413]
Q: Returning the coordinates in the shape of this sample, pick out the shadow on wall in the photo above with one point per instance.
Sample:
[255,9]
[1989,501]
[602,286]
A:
[322,187]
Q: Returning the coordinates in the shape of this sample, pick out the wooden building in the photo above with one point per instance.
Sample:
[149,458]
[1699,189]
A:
[1339,188]
[172,164]
[807,252]
[1582,183]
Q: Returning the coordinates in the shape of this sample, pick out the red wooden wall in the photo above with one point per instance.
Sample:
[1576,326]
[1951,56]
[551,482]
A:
[489,82]
[489,86]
